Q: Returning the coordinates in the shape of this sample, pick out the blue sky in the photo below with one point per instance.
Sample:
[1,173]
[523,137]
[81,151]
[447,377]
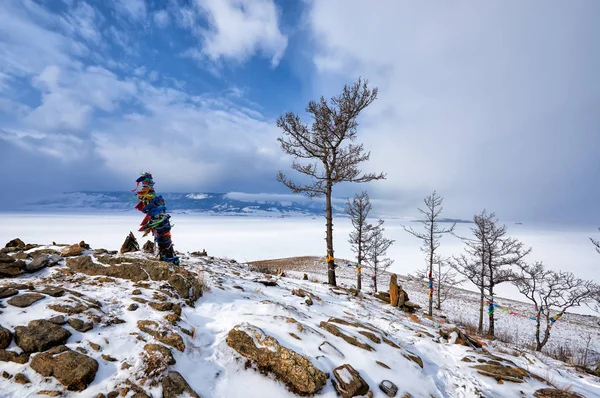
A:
[494,104]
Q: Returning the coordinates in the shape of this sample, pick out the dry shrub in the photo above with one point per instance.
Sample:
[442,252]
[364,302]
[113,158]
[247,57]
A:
[154,364]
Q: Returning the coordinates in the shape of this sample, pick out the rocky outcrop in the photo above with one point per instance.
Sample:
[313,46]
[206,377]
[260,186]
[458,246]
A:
[71,368]
[9,266]
[348,382]
[148,247]
[7,292]
[188,286]
[331,328]
[174,386]
[393,290]
[555,393]
[25,300]
[169,338]
[39,262]
[130,244]
[5,337]
[501,372]
[300,375]
[40,335]
[16,243]
[80,325]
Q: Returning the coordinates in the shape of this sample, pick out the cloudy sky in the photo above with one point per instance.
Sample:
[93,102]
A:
[494,104]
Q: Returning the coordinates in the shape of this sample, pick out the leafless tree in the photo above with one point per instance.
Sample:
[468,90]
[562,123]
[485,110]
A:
[596,243]
[358,209]
[325,153]
[376,251]
[488,260]
[550,292]
[445,279]
[431,235]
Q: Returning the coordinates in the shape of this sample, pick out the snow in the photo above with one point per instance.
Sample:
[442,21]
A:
[344,375]
[214,370]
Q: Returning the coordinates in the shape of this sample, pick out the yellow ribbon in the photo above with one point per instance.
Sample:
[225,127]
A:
[329,258]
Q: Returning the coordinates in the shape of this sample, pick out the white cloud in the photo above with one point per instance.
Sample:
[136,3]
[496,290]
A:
[82,20]
[238,29]
[161,18]
[133,9]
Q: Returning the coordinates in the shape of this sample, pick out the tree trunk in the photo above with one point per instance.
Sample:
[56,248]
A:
[375,277]
[538,346]
[439,287]
[430,283]
[480,327]
[329,237]
[358,278]
[491,313]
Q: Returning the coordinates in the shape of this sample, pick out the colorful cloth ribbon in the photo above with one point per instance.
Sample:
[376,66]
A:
[430,285]
[156,220]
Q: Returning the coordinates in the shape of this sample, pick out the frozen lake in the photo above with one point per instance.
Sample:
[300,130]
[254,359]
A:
[255,238]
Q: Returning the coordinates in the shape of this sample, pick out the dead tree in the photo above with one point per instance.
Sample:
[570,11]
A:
[490,257]
[445,280]
[552,294]
[326,150]
[431,235]
[376,251]
[358,209]
[596,243]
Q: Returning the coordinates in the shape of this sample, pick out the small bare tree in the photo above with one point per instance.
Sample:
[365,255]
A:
[328,155]
[376,251]
[596,243]
[431,235]
[446,280]
[495,253]
[552,294]
[358,209]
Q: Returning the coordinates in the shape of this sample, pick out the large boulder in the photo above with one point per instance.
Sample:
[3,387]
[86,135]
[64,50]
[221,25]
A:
[348,382]
[40,335]
[6,291]
[71,368]
[5,337]
[174,386]
[295,370]
[9,266]
[11,356]
[71,251]
[18,243]
[130,245]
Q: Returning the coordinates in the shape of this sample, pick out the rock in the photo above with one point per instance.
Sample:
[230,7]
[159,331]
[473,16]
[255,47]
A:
[174,386]
[162,351]
[371,336]
[21,256]
[6,375]
[18,243]
[130,245]
[348,382]
[73,250]
[5,337]
[200,254]
[188,287]
[133,307]
[6,259]
[388,388]
[383,296]
[40,335]
[555,393]
[84,245]
[292,368]
[266,282]
[148,247]
[331,328]
[327,348]
[7,292]
[72,369]
[80,325]
[11,356]
[37,263]
[305,277]
[171,339]
[95,347]
[308,301]
[25,300]
[50,393]
[393,290]
[501,372]
[383,365]
[136,291]
[21,379]
[53,260]
[11,268]
[162,306]
[53,291]
[109,358]
[461,337]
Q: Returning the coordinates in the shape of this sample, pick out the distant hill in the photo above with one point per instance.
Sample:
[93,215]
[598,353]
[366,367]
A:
[233,203]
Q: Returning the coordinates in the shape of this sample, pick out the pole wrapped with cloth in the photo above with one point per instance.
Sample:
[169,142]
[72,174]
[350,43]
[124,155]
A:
[157,220]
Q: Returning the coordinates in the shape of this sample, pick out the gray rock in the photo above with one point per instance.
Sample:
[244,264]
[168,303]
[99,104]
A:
[388,388]
[58,320]
[25,300]
[5,258]
[37,263]
[7,292]
[348,382]
[80,325]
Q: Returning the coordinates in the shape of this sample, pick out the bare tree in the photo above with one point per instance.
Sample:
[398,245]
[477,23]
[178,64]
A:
[358,209]
[596,243]
[327,154]
[446,280]
[551,293]
[495,253]
[376,251]
[431,238]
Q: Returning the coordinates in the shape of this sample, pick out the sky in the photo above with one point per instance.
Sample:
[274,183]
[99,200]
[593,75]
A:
[492,104]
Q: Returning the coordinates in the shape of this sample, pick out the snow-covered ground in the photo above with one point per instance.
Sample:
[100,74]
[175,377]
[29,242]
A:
[252,238]
[213,369]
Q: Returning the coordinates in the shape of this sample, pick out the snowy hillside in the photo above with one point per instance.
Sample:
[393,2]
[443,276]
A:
[101,324]
[233,203]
